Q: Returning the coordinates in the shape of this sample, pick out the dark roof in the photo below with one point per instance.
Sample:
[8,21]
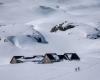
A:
[17,57]
[28,57]
[61,57]
[74,56]
[38,56]
[69,53]
[50,56]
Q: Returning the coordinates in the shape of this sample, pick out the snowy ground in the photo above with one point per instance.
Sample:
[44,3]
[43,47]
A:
[16,16]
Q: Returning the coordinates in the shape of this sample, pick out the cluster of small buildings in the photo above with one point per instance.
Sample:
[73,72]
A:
[44,59]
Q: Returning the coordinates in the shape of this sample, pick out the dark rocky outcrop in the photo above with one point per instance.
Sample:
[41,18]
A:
[61,27]
[35,37]
[94,35]
[54,29]
[39,37]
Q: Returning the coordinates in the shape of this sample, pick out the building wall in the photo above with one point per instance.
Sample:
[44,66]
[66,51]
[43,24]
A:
[46,60]
[13,61]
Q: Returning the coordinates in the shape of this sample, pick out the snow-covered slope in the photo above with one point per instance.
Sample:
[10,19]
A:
[22,20]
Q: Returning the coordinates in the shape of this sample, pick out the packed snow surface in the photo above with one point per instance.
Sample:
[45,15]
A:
[19,18]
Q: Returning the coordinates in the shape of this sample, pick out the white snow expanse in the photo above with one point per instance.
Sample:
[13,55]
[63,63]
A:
[21,17]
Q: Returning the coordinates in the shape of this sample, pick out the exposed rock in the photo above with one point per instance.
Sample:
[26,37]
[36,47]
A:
[39,37]
[94,35]
[62,27]
[69,26]
[27,39]
[54,29]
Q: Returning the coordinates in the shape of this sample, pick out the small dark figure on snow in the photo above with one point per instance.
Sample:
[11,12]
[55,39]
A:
[78,68]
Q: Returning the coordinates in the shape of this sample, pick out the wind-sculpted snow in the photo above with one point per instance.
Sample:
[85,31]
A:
[89,31]
[25,31]
[20,41]
[25,40]
[38,36]
[46,10]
